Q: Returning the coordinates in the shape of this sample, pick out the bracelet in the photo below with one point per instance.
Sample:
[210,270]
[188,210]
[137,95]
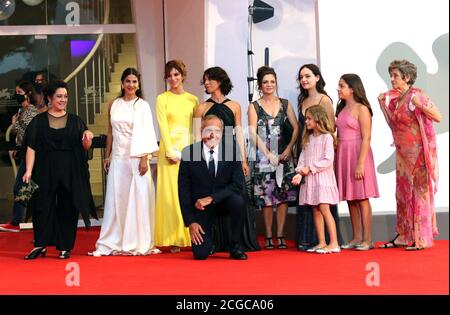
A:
[106,159]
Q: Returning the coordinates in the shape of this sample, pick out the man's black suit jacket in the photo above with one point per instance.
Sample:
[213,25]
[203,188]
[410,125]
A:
[195,182]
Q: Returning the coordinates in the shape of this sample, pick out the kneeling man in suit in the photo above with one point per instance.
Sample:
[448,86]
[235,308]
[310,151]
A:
[210,185]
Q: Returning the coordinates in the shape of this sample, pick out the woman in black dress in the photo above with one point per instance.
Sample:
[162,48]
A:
[312,92]
[218,85]
[56,160]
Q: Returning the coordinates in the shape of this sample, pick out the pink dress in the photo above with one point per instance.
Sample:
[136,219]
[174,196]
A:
[417,169]
[320,184]
[349,145]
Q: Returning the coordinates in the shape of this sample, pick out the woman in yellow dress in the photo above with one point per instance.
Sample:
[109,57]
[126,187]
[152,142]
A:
[175,109]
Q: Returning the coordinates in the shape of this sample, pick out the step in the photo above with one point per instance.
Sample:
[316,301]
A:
[95,162]
[126,60]
[109,96]
[115,87]
[97,188]
[98,130]
[128,49]
[128,39]
[101,119]
[119,67]
[96,177]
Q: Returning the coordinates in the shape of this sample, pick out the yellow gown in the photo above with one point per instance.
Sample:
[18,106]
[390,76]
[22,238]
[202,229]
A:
[175,119]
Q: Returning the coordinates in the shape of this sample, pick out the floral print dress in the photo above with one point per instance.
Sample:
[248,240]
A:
[416,170]
[267,192]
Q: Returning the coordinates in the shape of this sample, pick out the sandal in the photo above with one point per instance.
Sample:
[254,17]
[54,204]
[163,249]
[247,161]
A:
[392,244]
[413,247]
[269,244]
[281,242]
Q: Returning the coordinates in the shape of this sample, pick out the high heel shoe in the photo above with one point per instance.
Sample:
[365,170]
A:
[269,244]
[36,252]
[64,254]
[281,242]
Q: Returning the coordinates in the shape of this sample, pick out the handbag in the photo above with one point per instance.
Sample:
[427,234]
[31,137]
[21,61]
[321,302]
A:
[286,128]
[25,192]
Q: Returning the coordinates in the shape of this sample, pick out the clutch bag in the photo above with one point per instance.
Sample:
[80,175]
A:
[26,192]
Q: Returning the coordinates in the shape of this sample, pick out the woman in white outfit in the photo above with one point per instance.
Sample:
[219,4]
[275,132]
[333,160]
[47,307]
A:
[127,227]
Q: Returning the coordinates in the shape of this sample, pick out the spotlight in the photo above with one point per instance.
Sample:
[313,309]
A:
[260,11]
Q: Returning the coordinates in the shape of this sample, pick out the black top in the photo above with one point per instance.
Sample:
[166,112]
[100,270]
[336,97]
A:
[223,112]
[64,143]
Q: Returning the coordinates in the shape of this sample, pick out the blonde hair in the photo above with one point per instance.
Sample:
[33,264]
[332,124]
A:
[319,115]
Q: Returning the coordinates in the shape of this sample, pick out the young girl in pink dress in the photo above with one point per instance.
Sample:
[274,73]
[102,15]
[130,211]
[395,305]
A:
[355,169]
[316,165]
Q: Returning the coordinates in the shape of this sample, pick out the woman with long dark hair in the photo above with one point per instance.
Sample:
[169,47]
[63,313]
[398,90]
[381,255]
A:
[355,167]
[127,227]
[312,92]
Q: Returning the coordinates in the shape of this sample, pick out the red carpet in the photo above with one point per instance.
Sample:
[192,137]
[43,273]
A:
[285,272]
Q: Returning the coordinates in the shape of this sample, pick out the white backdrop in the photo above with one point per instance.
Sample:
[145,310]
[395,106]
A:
[362,37]
[226,44]
[291,38]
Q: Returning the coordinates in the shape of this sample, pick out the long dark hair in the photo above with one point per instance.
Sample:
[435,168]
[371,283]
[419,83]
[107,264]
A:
[126,73]
[320,85]
[359,93]
[29,90]
[221,76]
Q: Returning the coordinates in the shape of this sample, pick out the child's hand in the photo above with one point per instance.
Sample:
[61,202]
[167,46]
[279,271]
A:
[359,172]
[305,170]
[296,179]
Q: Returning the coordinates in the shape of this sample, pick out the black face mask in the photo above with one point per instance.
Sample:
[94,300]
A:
[19,98]
[38,87]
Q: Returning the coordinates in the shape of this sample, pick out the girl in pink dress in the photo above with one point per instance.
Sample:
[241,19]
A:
[355,169]
[316,165]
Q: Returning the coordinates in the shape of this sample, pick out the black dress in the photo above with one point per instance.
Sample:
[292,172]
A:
[61,171]
[221,229]
[305,232]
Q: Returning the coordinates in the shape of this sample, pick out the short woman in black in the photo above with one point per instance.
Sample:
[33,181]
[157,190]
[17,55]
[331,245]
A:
[218,85]
[56,160]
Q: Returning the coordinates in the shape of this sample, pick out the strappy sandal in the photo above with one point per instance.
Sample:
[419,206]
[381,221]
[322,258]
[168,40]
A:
[269,244]
[413,247]
[281,242]
[392,244]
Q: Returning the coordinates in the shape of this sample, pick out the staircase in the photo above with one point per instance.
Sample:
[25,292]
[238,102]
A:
[126,58]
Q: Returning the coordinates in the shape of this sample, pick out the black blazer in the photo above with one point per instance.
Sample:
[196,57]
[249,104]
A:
[194,180]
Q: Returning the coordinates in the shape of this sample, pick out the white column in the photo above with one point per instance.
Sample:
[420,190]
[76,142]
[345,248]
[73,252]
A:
[149,40]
